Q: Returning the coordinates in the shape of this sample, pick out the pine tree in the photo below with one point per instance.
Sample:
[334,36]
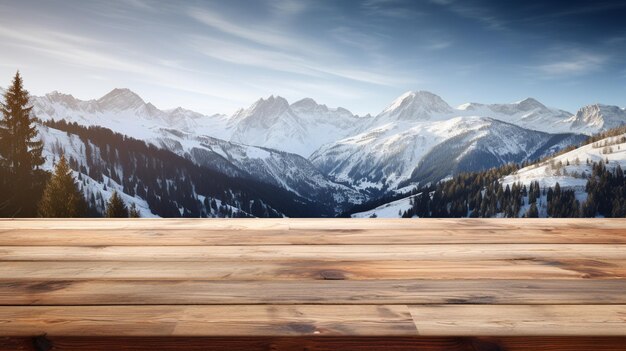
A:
[116,207]
[20,153]
[61,197]
[133,212]
[533,212]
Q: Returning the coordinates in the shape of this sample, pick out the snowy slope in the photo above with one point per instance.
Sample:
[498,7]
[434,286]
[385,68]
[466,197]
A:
[392,209]
[289,171]
[183,187]
[57,142]
[425,151]
[300,128]
[574,175]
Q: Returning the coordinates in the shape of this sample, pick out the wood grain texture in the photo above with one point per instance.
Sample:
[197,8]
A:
[316,270]
[251,232]
[545,320]
[210,292]
[308,284]
[241,320]
[456,252]
[309,320]
[332,224]
[254,237]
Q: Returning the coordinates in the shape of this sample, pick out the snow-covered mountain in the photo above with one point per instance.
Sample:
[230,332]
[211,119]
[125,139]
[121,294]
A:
[396,153]
[289,171]
[528,113]
[300,128]
[124,111]
[159,182]
[571,170]
[415,106]
[418,138]
[594,118]
[186,133]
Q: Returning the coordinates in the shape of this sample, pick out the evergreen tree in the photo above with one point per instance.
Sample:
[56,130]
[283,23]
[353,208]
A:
[20,154]
[116,207]
[533,212]
[133,212]
[61,197]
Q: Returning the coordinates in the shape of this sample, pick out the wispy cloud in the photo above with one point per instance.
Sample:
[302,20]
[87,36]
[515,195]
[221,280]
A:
[398,9]
[282,50]
[474,12]
[231,52]
[79,51]
[590,8]
[288,7]
[262,35]
[573,64]
[435,45]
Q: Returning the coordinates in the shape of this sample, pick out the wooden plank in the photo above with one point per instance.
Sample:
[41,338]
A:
[256,320]
[303,320]
[203,292]
[457,252]
[315,270]
[540,320]
[390,236]
[328,343]
[332,224]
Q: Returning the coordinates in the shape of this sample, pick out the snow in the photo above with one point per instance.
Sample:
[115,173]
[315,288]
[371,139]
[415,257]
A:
[389,154]
[389,210]
[299,128]
[378,152]
[57,142]
[554,170]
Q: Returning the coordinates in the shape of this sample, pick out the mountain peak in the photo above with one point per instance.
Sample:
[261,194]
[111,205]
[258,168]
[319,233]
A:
[271,107]
[120,99]
[306,103]
[418,104]
[599,115]
[530,103]
[60,97]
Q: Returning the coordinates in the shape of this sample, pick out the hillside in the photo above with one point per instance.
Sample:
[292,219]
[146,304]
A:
[586,181]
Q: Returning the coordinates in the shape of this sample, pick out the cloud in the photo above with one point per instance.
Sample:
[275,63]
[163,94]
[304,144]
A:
[368,41]
[473,12]
[288,7]
[280,49]
[231,52]
[259,35]
[575,64]
[79,51]
[398,9]
[439,45]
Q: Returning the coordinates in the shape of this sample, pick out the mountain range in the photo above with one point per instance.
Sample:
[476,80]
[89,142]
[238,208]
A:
[330,156]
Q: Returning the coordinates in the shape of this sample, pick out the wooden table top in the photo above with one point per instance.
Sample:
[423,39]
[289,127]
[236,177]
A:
[313,277]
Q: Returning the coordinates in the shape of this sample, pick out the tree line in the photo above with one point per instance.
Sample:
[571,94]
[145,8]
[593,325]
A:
[480,194]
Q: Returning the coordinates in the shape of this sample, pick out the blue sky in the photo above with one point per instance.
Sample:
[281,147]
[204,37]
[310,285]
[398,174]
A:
[217,56]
